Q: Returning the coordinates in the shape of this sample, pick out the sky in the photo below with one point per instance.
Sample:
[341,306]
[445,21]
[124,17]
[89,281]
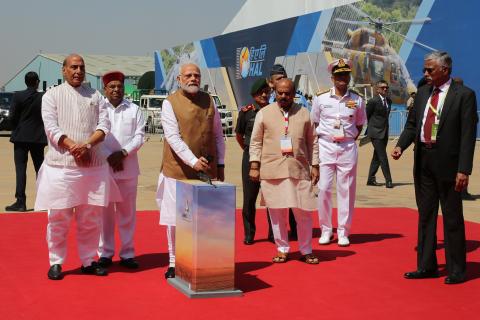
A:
[120,27]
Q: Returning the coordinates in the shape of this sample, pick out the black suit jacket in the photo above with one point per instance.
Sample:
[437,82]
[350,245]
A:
[456,134]
[377,116]
[26,117]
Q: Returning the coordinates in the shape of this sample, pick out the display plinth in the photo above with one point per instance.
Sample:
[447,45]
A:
[205,239]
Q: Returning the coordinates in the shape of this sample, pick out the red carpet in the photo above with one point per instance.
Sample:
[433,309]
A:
[361,281]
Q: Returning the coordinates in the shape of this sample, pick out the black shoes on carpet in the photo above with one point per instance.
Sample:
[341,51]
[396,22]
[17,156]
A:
[424,274]
[129,263]
[94,269]
[105,262]
[17,206]
[421,274]
[55,272]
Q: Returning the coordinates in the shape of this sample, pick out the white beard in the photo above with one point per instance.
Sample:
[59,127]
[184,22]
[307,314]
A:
[191,89]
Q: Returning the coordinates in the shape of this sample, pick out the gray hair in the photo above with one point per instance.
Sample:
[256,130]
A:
[442,58]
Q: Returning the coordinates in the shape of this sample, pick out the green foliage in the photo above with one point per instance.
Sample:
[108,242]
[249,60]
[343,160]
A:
[389,11]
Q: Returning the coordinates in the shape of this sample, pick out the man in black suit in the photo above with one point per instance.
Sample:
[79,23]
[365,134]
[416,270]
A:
[442,124]
[28,135]
[378,110]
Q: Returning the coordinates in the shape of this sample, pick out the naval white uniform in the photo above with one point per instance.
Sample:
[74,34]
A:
[337,118]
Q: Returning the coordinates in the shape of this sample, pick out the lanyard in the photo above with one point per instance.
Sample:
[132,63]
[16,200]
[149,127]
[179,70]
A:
[285,117]
[441,101]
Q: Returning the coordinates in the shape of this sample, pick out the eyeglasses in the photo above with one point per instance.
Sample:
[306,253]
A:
[383,88]
[428,70]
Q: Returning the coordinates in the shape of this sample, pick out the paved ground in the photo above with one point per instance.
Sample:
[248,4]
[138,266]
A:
[401,195]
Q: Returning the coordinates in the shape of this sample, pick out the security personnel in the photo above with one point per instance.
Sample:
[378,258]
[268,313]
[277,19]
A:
[260,92]
[339,115]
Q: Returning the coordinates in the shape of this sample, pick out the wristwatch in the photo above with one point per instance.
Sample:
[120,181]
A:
[124,152]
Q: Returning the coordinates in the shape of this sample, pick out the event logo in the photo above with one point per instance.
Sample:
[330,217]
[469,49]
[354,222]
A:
[250,61]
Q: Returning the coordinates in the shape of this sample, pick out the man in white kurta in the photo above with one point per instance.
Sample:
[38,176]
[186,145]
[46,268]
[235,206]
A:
[120,148]
[284,157]
[339,114]
[193,134]
[74,180]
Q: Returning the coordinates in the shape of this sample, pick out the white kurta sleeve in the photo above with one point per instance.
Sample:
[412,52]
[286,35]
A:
[172,135]
[139,137]
[50,119]
[103,119]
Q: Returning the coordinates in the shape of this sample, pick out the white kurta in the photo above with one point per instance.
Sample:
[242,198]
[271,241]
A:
[127,133]
[64,187]
[166,190]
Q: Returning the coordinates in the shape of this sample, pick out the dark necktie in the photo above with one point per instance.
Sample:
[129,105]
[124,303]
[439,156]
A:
[385,103]
[430,120]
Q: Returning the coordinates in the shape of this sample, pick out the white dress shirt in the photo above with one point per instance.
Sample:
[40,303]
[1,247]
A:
[441,99]
[127,132]
[174,139]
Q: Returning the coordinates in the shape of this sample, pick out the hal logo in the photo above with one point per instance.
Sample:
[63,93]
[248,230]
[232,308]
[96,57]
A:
[250,61]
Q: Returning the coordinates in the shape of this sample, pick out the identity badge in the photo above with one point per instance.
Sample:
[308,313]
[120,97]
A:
[286,145]
[338,133]
[434,131]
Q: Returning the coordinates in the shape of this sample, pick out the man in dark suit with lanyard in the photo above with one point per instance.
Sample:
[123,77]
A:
[442,124]
[28,135]
[378,110]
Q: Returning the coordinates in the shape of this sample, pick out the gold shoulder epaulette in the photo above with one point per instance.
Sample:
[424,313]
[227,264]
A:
[322,92]
[357,93]
[249,107]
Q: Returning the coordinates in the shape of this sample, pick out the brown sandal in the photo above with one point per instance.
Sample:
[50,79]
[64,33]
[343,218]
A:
[309,259]
[280,258]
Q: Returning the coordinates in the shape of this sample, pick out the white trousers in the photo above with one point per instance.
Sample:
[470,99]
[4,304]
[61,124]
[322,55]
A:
[279,218]
[124,215]
[88,222]
[346,174]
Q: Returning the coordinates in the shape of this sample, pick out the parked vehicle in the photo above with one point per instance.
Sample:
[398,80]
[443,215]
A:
[5,102]
[151,105]
[226,116]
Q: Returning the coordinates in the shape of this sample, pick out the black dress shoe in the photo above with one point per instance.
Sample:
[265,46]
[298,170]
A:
[373,183]
[94,269]
[389,184]
[129,263]
[421,274]
[105,262]
[454,279]
[170,273]
[248,242]
[17,206]
[55,272]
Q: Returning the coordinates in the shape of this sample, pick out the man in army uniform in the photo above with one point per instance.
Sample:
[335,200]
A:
[339,115]
[260,92]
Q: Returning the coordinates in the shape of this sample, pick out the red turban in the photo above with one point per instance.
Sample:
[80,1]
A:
[113,75]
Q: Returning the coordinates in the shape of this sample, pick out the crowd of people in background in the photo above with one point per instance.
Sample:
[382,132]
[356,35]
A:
[294,146]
